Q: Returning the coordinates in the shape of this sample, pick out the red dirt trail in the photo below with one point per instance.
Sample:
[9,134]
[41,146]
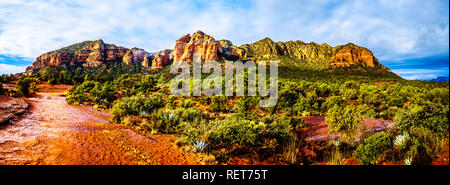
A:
[55,133]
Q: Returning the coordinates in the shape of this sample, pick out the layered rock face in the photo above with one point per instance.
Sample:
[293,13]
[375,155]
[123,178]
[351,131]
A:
[97,53]
[161,59]
[350,54]
[88,53]
[206,47]
[199,43]
[134,55]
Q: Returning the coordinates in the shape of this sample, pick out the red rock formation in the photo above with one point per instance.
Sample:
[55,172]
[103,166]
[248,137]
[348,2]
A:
[88,53]
[200,43]
[161,58]
[134,55]
[229,51]
[350,54]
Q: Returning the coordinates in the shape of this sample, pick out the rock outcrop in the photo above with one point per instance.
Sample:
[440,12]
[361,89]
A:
[11,107]
[199,43]
[97,53]
[339,56]
[134,55]
[87,53]
[350,54]
[229,51]
[206,47]
[161,59]
[268,49]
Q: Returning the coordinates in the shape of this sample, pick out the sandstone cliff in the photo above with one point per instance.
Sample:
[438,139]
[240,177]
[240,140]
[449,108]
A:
[206,47]
[96,53]
[89,53]
[199,43]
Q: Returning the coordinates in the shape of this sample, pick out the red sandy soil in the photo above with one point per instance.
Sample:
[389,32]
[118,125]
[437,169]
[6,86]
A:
[316,128]
[53,132]
[443,158]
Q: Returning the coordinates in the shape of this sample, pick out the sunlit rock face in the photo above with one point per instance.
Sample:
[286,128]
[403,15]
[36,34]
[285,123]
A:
[230,52]
[199,43]
[134,55]
[351,54]
[88,53]
[206,47]
[97,53]
[161,59]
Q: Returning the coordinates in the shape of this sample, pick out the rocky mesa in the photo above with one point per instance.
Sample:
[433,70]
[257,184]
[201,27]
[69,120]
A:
[96,53]
[336,57]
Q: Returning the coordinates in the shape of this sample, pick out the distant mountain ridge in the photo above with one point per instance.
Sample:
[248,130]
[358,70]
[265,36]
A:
[441,79]
[97,53]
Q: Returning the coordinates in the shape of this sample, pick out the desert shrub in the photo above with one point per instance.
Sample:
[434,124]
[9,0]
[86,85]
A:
[244,104]
[1,88]
[26,86]
[388,114]
[302,107]
[103,94]
[233,131]
[166,121]
[275,132]
[125,85]
[438,95]
[170,102]
[424,146]
[186,103]
[345,120]
[288,94]
[147,83]
[199,130]
[418,154]
[430,115]
[332,101]
[236,130]
[369,151]
[350,90]
[188,115]
[92,92]
[137,105]
[218,103]
[367,111]
[334,157]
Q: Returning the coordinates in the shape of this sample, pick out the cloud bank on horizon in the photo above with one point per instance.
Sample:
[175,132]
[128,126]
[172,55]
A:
[405,35]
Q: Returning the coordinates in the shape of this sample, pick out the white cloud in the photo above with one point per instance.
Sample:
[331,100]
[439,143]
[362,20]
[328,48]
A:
[393,30]
[420,74]
[11,69]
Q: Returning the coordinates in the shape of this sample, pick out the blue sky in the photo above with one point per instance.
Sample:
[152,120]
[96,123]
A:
[411,37]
